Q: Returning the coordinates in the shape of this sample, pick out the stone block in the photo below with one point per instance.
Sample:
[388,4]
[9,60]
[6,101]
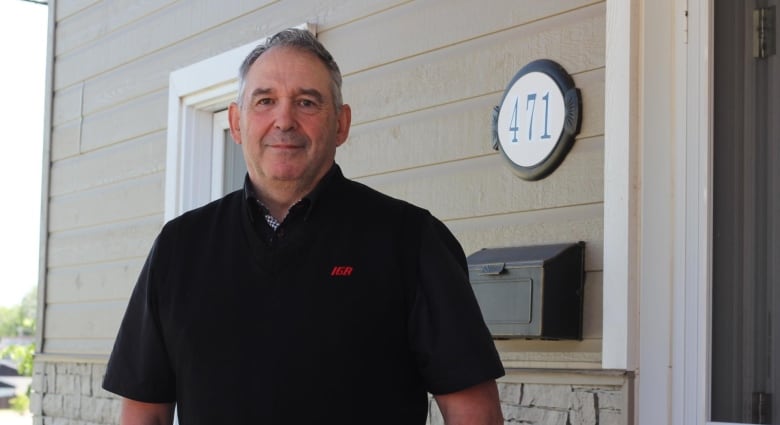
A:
[98,372]
[68,384]
[100,410]
[36,403]
[71,404]
[610,399]
[53,405]
[51,377]
[510,393]
[39,382]
[62,421]
[583,409]
[73,369]
[611,417]
[510,411]
[550,396]
[535,415]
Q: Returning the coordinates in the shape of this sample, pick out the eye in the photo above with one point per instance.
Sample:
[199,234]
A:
[264,101]
[307,103]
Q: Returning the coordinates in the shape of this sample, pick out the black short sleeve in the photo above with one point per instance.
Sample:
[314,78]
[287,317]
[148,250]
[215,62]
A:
[139,366]
[453,345]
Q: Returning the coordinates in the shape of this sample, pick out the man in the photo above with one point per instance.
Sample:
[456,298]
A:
[305,297]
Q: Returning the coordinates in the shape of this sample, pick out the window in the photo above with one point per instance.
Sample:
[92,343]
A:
[228,166]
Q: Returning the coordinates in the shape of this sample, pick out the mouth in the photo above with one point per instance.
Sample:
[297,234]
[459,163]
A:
[287,142]
[284,146]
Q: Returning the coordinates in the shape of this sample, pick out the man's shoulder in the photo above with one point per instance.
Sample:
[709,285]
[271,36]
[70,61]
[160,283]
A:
[361,194]
[365,207]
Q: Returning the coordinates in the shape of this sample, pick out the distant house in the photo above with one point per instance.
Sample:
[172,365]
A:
[11,383]
[7,392]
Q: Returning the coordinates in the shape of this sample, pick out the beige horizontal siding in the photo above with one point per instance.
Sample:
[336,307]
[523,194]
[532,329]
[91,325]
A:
[558,225]
[419,29]
[197,29]
[453,131]
[100,282]
[151,72]
[126,200]
[125,161]
[75,347]
[487,186]
[82,328]
[65,140]
[66,8]
[422,78]
[101,19]
[67,104]
[125,121]
[153,32]
[108,243]
[475,67]
[84,320]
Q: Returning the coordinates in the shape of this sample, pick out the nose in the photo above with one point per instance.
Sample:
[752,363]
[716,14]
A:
[285,116]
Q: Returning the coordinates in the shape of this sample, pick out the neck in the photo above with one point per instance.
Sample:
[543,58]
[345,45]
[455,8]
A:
[279,196]
[278,202]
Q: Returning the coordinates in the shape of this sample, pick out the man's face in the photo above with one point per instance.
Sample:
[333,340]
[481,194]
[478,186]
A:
[288,125]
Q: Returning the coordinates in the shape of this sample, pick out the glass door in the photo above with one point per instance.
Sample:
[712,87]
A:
[746,217]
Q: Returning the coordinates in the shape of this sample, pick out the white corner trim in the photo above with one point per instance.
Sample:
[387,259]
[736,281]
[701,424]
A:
[621,123]
[194,94]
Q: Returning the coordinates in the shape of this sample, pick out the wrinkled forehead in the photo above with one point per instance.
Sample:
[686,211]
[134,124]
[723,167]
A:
[289,68]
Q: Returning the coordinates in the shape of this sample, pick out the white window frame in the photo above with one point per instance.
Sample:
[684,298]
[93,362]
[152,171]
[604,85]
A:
[691,377]
[219,124]
[195,93]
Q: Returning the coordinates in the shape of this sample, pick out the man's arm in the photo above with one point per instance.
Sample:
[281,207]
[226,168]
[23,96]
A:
[139,413]
[477,405]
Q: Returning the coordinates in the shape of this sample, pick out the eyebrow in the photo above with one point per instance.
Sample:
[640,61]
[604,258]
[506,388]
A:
[316,94]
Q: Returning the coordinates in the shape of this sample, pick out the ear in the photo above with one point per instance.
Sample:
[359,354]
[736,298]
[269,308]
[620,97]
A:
[344,120]
[234,118]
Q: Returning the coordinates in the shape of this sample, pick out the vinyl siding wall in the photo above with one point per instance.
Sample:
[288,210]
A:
[422,78]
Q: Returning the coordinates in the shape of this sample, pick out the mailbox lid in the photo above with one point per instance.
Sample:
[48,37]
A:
[517,256]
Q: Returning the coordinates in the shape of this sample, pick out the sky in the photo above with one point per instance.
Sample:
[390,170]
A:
[23,33]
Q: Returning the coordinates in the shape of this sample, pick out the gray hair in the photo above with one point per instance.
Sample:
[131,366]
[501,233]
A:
[298,39]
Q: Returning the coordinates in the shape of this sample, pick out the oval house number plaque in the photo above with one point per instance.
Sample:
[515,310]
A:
[537,120]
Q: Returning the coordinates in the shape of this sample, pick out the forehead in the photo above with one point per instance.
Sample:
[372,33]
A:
[289,65]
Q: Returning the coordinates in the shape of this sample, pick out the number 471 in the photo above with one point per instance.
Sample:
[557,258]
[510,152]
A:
[530,106]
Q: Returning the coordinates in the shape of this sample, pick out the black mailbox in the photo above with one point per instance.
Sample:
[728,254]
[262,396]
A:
[530,291]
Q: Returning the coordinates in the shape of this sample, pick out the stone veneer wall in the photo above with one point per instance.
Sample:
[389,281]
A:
[548,404]
[72,395]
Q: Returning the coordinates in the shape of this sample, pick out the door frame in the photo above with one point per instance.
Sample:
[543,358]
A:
[657,237]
